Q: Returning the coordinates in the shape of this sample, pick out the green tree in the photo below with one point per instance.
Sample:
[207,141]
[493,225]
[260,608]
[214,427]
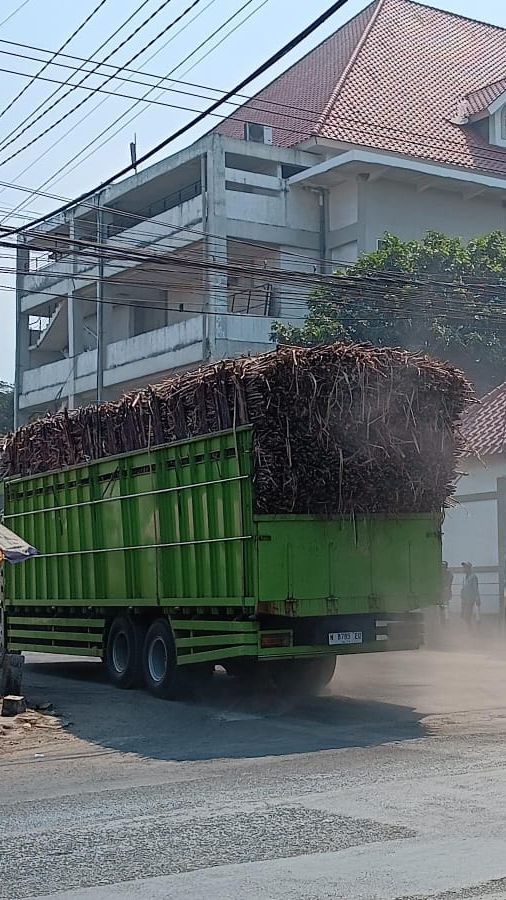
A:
[439,295]
[6,407]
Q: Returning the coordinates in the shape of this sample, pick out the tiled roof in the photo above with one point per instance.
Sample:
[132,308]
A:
[389,79]
[294,102]
[478,101]
[484,426]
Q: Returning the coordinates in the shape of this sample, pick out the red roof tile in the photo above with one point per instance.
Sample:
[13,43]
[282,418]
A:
[484,426]
[480,100]
[294,102]
[389,79]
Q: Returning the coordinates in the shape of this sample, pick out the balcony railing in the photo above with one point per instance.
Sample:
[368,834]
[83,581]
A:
[257,300]
[128,220]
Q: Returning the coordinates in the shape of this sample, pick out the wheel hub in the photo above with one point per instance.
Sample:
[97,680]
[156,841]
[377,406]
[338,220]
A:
[157,659]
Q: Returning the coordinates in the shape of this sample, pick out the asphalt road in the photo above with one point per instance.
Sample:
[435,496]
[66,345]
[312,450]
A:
[391,785]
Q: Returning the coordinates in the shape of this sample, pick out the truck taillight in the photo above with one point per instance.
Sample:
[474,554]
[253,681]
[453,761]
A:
[279,639]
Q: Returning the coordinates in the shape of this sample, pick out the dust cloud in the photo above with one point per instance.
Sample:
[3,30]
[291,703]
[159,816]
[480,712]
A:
[457,670]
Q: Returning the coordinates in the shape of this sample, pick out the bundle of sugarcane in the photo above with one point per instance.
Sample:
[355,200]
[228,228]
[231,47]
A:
[337,429]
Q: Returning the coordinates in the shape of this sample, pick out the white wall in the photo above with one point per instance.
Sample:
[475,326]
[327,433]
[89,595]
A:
[470,530]
[402,209]
[343,205]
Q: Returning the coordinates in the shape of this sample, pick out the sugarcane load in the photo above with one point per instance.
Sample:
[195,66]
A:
[265,514]
[337,429]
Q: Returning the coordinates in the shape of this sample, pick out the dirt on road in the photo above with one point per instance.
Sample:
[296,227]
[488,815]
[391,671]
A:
[390,785]
[34,730]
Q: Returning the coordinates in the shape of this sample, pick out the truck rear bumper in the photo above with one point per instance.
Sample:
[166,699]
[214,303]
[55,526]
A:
[312,636]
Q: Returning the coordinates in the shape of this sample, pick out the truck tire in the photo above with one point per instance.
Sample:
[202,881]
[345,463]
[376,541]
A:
[123,651]
[159,660]
[303,676]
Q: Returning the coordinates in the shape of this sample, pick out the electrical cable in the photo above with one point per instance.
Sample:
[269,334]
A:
[50,61]
[57,91]
[200,234]
[90,112]
[271,103]
[77,106]
[52,178]
[13,13]
[271,61]
[492,155]
[450,315]
[339,282]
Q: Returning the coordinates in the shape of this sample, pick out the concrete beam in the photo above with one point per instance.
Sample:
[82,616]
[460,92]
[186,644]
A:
[133,182]
[429,169]
[144,368]
[266,151]
[273,234]
[345,235]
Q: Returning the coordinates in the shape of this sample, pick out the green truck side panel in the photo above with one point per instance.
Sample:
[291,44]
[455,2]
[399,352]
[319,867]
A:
[174,527]
[314,567]
[171,525]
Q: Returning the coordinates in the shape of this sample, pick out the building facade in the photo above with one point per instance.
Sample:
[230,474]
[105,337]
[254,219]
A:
[475,528]
[397,122]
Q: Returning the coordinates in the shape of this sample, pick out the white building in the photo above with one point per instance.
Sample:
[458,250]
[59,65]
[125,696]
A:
[396,122]
[475,529]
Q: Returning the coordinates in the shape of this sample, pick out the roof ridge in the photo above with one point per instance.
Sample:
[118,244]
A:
[351,62]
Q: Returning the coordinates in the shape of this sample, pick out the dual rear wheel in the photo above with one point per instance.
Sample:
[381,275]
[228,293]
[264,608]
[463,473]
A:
[141,654]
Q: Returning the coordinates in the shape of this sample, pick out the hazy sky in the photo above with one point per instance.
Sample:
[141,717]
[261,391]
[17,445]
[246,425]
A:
[48,23]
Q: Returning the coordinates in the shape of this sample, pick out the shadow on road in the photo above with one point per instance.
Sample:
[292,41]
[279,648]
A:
[228,720]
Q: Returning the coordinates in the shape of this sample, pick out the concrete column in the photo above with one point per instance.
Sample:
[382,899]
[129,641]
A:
[291,297]
[215,286]
[22,359]
[362,189]
[101,344]
[75,322]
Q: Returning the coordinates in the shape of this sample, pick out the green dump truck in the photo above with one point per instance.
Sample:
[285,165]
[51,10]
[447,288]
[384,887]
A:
[156,562]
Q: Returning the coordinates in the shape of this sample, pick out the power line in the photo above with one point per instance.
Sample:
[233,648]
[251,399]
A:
[144,99]
[53,177]
[101,102]
[301,113]
[200,234]
[254,99]
[54,55]
[77,106]
[285,128]
[446,313]
[13,13]
[95,252]
[57,91]
[271,61]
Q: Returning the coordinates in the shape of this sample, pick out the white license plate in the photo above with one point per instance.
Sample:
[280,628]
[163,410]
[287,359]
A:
[346,637]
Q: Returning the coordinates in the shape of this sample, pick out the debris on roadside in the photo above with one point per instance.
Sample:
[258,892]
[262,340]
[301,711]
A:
[34,725]
[13,705]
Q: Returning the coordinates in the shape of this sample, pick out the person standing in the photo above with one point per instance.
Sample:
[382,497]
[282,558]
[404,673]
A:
[470,594]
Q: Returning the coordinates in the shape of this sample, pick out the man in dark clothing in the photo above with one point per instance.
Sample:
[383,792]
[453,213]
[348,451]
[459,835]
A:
[470,593]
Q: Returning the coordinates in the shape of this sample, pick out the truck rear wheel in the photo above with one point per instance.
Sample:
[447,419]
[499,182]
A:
[123,651]
[159,659]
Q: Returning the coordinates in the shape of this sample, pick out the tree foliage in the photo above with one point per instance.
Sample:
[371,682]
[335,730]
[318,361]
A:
[6,407]
[439,295]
